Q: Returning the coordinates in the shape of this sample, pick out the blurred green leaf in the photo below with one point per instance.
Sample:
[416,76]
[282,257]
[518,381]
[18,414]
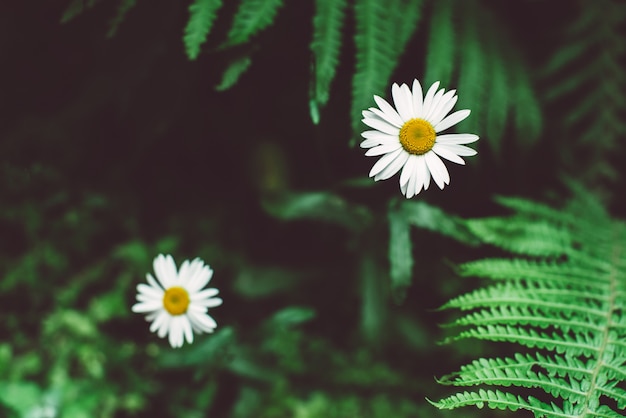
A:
[233,72]
[322,206]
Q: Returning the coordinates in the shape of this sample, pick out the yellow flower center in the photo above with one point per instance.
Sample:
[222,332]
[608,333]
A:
[176,300]
[417,136]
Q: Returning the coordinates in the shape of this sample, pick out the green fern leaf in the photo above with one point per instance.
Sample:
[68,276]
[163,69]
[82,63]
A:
[586,75]
[568,314]
[202,14]
[252,17]
[232,73]
[325,46]
[400,251]
[441,52]
[75,8]
[382,32]
[122,10]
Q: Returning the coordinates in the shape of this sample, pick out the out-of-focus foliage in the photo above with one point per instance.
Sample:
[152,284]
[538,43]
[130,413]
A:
[560,299]
[586,79]
[121,141]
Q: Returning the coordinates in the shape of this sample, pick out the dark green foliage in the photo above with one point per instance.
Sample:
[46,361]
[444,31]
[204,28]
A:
[75,8]
[122,10]
[561,300]
[252,17]
[586,80]
[325,46]
[382,31]
[202,14]
[235,69]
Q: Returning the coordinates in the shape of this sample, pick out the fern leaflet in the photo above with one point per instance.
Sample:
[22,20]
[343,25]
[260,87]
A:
[122,10]
[382,32]
[562,299]
[327,24]
[235,69]
[252,16]
[202,14]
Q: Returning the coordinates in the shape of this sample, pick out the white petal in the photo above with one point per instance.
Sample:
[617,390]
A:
[386,140]
[443,110]
[205,294]
[147,306]
[408,98]
[393,167]
[383,162]
[445,152]
[433,105]
[183,273]
[402,105]
[149,290]
[383,149]
[176,332]
[404,188]
[165,270]
[461,150]
[200,279]
[408,170]
[452,120]
[427,175]
[165,326]
[376,135]
[153,282]
[159,321]
[207,303]
[418,96]
[437,169]
[442,104]
[429,98]
[389,111]
[422,177]
[457,138]
[142,297]
[202,321]
[187,329]
[380,114]
[381,126]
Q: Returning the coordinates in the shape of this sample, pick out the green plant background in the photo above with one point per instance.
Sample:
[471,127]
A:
[228,132]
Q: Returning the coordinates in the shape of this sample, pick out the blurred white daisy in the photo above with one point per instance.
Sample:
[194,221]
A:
[176,304]
[408,137]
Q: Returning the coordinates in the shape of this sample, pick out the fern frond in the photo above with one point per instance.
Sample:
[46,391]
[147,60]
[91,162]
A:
[400,250]
[382,31]
[440,54]
[202,14]
[252,17]
[325,46]
[487,63]
[566,314]
[75,8]
[122,10]
[586,77]
[233,71]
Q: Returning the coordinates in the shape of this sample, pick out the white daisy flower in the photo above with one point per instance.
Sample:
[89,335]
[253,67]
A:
[408,137]
[176,304]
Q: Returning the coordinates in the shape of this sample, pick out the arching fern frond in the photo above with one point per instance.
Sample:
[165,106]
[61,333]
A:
[561,301]
[122,10]
[325,46]
[75,8]
[202,14]
[587,82]
[252,16]
[486,62]
[382,32]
